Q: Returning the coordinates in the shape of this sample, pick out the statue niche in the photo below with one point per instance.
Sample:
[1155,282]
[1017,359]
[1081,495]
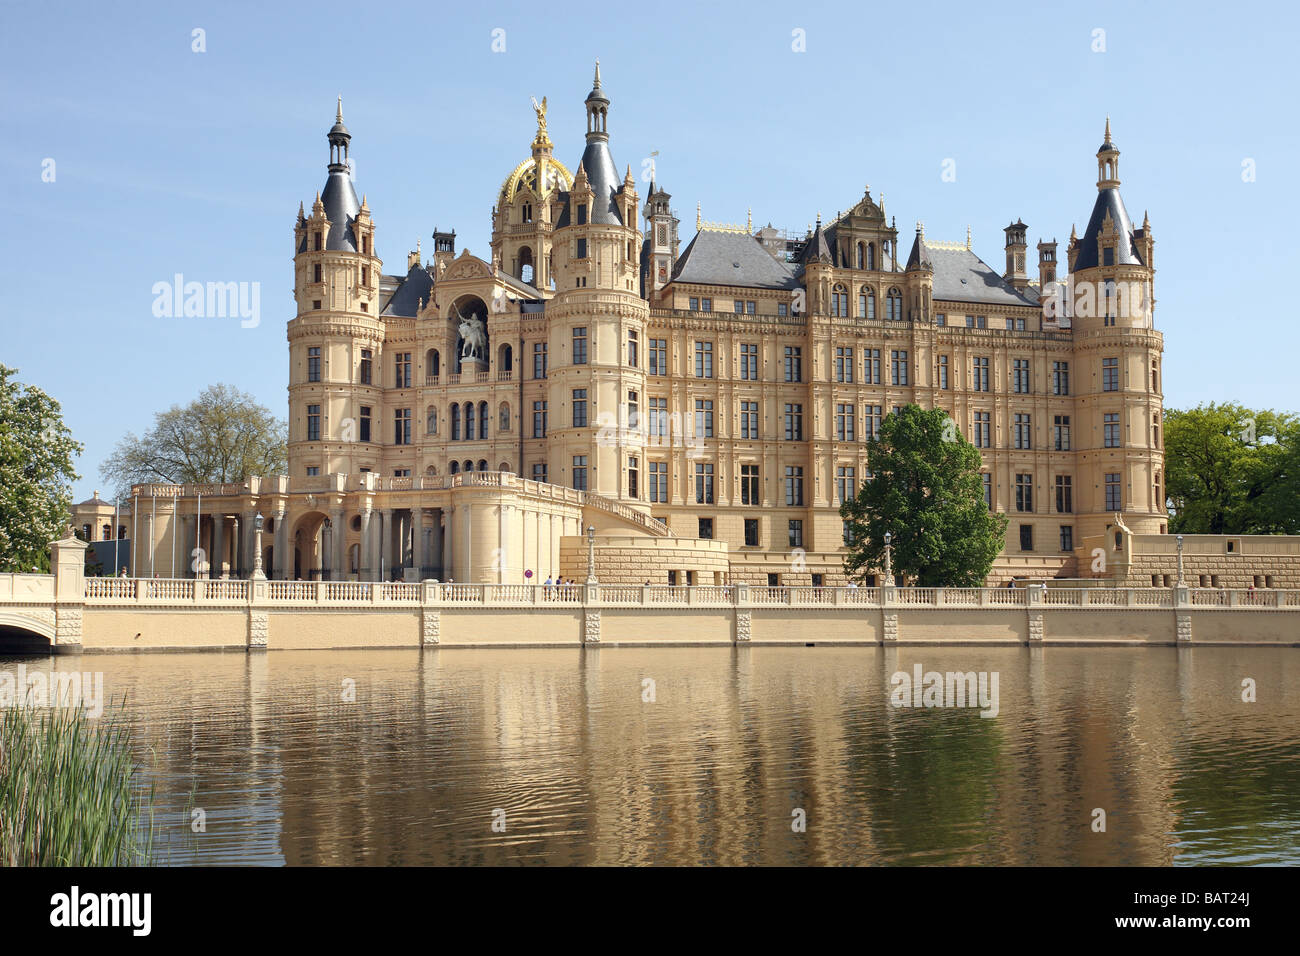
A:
[470,315]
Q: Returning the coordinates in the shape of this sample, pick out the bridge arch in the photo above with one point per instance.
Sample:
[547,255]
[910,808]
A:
[24,634]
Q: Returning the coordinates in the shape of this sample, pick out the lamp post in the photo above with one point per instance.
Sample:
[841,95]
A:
[1181,582]
[258,573]
[889,559]
[591,554]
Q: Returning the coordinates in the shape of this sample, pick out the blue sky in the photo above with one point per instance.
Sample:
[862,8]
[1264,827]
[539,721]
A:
[173,161]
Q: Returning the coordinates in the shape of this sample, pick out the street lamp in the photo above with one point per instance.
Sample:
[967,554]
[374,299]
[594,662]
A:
[591,554]
[1180,561]
[889,559]
[258,573]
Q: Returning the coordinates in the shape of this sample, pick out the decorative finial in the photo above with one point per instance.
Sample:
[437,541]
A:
[749,222]
[1107,139]
[819,217]
[968,237]
[417,247]
[597,72]
[338,117]
[699,217]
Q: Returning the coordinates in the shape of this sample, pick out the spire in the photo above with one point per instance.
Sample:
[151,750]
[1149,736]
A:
[338,117]
[339,138]
[1106,143]
[1108,162]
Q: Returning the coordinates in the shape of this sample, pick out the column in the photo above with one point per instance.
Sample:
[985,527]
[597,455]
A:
[503,522]
[420,550]
[435,542]
[339,541]
[448,531]
[283,560]
[326,551]
[386,544]
[218,545]
[236,557]
[367,565]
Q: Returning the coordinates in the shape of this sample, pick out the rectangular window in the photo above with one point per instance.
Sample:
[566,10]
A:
[582,213]
[313,423]
[1060,378]
[1067,537]
[1114,500]
[943,371]
[751,308]
[633,349]
[313,470]
[749,361]
[871,367]
[539,360]
[1026,537]
[580,346]
[793,485]
[796,532]
[1061,432]
[987,480]
[740,306]
[749,420]
[366,358]
[402,369]
[793,422]
[898,366]
[539,471]
[703,483]
[539,419]
[983,430]
[940,319]
[658,357]
[704,360]
[871,418]
[1110,430]
[659,417]
[1064,495]
[402,426]
[1020,376]
[1110,375]
[632,474]
[579,408]
[703,418]
[695,304]
[751,532]
[1023,431]
[658,481]
[793,363]
[365,423]
[582,245]
[782,309]
[580,472]
[749,493]
[633,410]
[706,305]
[1024,492]
[706,529]
[844,422]
[980,375]
[844,362]
[846,485]
[313,364]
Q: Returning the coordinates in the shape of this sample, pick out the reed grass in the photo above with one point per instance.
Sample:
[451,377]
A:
[70,793]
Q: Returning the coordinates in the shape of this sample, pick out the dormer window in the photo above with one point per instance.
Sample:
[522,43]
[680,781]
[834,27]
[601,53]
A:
[582,213]
[1108,256]
[526,212]
[316,241]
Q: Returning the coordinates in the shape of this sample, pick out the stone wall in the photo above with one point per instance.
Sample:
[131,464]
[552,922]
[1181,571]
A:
[636,559]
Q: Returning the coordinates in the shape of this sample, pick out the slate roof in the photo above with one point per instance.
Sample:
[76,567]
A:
[962,276]
[1126,253]
[341,207]
[416,285]
[605,184]
[731,258]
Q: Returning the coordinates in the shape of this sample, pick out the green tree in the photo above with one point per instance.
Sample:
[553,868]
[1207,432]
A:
[222,436]
[36,474]
[1232,470]
[927,492]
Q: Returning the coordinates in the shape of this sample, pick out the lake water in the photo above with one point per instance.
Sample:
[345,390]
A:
[714,756]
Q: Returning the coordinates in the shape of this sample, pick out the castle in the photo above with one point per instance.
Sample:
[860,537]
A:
[703,410]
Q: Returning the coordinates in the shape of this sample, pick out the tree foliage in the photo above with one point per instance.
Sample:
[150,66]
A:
[927,492]
[222,436]
[36,474]
[1232,470]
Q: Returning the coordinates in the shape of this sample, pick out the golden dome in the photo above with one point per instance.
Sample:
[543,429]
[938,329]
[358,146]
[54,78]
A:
[554,176]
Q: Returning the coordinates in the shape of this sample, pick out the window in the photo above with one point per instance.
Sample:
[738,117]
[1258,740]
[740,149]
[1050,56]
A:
[633,410]
[1060,378]
[793,363]
[658,481]
[940,319]
[579,408]
[365,423]
[659,417]
[844,422]
[580,346]
[704,418]
[1023,431]
[706,305]
[898,367]
[871,367]
[749,361]
[695,304]
[539,419]
[1155,430]
[313,364]
[706,529]
[1110,375]
[740,306]
[658,357]
[582,245]
[980,375]
[704,360]
[840,302]
[455,422]
[1108,256]
[582,213]
[782,309]
[751,532]
[894,305]
[846,486]
[977,321]
[401,473]
[431,421]
[1114,501]
[983,430]
[793,422]
[796,533]
[1061,432]
[749,420]
[367,357]
[402,426]
[482,422]
[844,362]
[471,420]
[539,360]
[871,418]
[1110,430]
[315,303]
[943,371]
[987,481]
[749,493]
[1026,537]
[313,423]
[580,472]
[633,349]
[751,308]
[1024,492]
[402,370]
[867,303]
[703,483]
[793,485]
[1020,375]
[1064,495]
[1067,537]
[633,472]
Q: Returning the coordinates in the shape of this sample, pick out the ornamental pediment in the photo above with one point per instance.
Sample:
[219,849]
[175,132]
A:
[466,266]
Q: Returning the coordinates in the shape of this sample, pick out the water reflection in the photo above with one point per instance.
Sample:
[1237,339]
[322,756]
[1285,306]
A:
[288,769]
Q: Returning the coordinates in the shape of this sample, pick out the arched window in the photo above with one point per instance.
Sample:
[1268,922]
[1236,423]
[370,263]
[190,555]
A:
[867,303]
[455,468]
[469,465]
[504,466]
[526,264]
[504,417]
[894,304]
[482,465]
[432,365]
[455,423]
[470,420]
[431,421]
[861,261]
[871,255]
[483,419]
[840,301]
[432,471]
[107,531]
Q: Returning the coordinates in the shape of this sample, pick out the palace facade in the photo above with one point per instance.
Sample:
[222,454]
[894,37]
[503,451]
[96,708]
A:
[704,409]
